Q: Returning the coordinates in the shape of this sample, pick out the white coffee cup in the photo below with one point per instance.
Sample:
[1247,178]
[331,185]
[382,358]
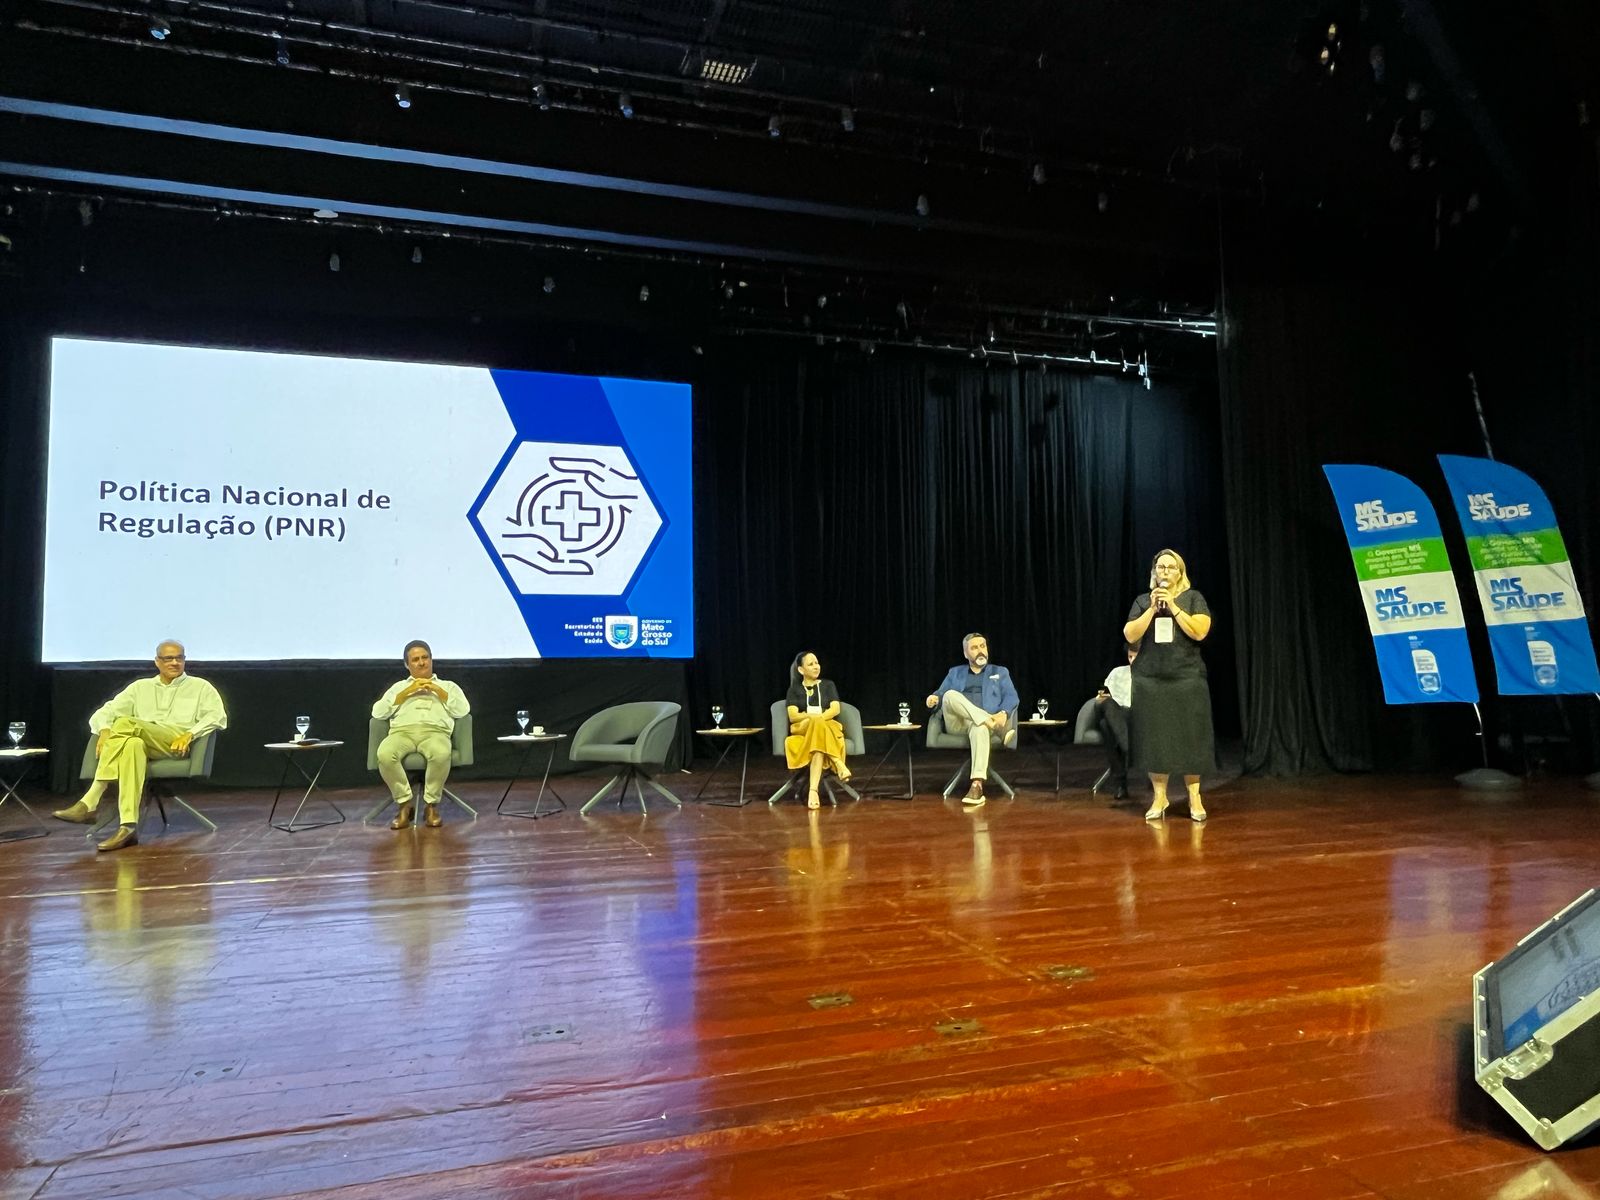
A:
[536,730]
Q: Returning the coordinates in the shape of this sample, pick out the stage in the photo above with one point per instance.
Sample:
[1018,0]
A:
[1040,997]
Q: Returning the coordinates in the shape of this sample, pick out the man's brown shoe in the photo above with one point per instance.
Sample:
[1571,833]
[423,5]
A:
[402,819]
[79,814]
[126,835]
[974,794]
[431,817]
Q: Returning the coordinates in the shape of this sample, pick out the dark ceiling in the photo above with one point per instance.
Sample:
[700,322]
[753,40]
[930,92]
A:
[871,171]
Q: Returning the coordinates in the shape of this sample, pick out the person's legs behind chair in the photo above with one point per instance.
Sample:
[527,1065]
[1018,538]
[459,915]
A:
[1112,721]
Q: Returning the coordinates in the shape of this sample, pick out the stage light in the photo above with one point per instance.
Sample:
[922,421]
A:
[416,254]
[774,127]
[402,95]
[625,104]
[333,261]
[541,97]
[549,284]
[923,208]
[644,293]
[1333,31]
[1038,173]
[160,30]
[847,119]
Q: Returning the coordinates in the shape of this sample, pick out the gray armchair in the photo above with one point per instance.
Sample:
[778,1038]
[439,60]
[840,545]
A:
[854,743]
[460,756]
[194,765]
[1085,732]
[632,736]
[939,738]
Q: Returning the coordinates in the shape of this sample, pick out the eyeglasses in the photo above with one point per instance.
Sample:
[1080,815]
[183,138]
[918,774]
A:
[170,658]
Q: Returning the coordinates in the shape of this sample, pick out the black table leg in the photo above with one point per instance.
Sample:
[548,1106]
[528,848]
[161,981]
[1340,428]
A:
[12,787]
[533,814]
[292,825]
[743,772]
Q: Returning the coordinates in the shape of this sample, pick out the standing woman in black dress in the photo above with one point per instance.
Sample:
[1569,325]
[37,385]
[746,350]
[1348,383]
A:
[1170,722]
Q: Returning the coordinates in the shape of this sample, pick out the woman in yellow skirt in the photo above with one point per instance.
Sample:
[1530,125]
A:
[816,739]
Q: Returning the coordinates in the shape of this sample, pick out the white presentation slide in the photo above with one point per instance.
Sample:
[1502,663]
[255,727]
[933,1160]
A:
[264,506]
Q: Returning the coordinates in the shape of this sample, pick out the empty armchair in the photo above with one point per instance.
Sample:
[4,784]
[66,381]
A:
[632,736]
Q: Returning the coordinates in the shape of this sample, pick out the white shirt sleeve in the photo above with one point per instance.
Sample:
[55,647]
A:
[386,706]
[209,712]
[120,705]
[1120,684]
[455,702]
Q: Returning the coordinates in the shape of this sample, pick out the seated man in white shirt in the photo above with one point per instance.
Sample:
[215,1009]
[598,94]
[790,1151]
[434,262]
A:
[150,718]
[1112,703]
[422,710]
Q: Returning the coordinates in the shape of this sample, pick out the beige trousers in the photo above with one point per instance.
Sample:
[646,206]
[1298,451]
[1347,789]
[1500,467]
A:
[432,744]
[130,744]
[963,716]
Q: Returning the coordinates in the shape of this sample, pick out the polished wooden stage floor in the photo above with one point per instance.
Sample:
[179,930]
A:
[1039,998]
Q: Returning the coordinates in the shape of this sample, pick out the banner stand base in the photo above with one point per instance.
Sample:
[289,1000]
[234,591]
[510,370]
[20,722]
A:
[1488,779]
[1593,781]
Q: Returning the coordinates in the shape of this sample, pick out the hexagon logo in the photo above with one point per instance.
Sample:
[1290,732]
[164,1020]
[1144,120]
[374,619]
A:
[568,520]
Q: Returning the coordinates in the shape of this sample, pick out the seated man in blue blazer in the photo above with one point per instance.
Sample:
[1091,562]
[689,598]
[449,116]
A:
[979,700]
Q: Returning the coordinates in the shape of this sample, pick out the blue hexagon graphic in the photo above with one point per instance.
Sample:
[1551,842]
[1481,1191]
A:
[568,520]
[571,515]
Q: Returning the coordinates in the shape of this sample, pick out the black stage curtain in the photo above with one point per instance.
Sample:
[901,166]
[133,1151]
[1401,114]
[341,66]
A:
[874,510]
[24,685]
[1313,374]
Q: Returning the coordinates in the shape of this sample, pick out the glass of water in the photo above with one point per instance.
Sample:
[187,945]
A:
[905,712]
[1044,707]
[716,715]
[16,729]
[522,720]
[301,725]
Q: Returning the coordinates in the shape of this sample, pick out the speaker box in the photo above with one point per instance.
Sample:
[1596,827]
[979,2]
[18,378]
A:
[1536,1026]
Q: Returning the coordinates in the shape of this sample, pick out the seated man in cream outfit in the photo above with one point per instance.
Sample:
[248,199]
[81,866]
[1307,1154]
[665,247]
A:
[150,718]
[977,698]
[422,710]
